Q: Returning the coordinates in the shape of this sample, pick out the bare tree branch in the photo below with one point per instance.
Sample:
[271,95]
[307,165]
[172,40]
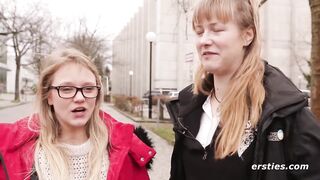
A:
[91,44]
[22,30]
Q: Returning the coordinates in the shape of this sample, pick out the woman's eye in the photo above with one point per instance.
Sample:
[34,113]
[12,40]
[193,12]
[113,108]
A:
[218,30]
[199,32]
[66,89]
[88,88]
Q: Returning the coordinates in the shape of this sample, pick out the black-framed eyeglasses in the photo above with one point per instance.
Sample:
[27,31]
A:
[67,92]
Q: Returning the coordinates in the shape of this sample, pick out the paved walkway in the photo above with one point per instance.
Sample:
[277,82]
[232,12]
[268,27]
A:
[6,100]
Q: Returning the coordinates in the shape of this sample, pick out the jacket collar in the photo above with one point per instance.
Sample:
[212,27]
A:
[189,101]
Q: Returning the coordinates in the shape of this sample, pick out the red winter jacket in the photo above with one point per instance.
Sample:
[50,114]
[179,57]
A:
[128,155]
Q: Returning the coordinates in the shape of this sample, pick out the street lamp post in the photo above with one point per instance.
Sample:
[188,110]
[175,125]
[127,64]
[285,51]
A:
[130,74]
[151,37]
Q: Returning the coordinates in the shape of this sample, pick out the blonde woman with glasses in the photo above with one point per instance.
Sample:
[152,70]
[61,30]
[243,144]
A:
[241,118]
[69,137]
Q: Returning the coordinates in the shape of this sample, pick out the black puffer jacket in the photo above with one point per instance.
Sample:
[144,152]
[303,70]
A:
[285,108]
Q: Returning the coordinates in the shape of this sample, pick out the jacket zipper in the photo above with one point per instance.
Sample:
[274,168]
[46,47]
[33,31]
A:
[204,157]
[205,153]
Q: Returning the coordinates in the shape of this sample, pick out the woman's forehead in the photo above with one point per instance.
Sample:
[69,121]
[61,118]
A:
[72,72]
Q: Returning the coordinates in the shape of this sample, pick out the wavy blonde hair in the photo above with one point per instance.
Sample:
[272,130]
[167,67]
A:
[49,126]
[245,95]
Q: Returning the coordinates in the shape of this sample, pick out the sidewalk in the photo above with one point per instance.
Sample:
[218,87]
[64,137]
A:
[142,119]
[6,101]
[161,164]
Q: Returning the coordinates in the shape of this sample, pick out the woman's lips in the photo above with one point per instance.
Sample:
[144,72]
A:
[79,114]
[208,54]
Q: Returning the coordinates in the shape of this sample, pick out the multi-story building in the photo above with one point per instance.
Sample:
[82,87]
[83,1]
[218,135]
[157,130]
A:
[3,62]
[286,31]
[286,27]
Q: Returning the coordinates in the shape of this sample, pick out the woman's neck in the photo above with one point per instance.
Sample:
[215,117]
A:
[74,137]
[221,84]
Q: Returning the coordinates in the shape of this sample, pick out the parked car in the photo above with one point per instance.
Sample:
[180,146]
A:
[307,92]
[173,94]
[153,93]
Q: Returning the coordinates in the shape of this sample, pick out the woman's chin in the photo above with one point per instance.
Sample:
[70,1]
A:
[211,69]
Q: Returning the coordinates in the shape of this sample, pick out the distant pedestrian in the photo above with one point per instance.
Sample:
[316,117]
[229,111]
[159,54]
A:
[242,119]
[23,95]
[69,137]
[2,88]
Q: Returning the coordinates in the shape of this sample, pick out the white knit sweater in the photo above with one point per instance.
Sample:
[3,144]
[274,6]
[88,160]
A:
[78,162]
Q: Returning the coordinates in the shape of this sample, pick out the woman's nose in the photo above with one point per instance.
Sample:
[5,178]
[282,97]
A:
[206,38]
[79,96]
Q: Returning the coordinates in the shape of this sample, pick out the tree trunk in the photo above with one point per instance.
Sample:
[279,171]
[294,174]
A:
[17,82]
[315,57]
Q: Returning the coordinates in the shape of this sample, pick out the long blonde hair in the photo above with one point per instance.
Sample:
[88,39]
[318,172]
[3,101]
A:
[244,98]
[49,126]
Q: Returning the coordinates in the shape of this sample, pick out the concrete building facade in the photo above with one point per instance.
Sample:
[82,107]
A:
[3,61]
[286,29]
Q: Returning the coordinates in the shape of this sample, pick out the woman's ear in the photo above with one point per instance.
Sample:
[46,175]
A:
[247,36]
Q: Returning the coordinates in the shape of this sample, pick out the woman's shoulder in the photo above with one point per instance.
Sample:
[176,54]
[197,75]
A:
[282,96]
[111,122]
[119,132]
[276,80]
[14,135]
[136,139]
[186,92]
[23,125]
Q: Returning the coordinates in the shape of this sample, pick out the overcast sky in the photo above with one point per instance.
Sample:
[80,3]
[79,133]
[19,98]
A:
[109,15]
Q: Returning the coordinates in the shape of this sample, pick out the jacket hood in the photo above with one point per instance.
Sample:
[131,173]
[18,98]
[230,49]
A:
[282,96]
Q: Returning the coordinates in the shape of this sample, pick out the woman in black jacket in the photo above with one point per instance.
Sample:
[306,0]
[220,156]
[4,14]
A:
[242,118]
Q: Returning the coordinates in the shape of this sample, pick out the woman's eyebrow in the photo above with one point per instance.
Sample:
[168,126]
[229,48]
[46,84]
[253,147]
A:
[215,23]
[74,84]
[210,24]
